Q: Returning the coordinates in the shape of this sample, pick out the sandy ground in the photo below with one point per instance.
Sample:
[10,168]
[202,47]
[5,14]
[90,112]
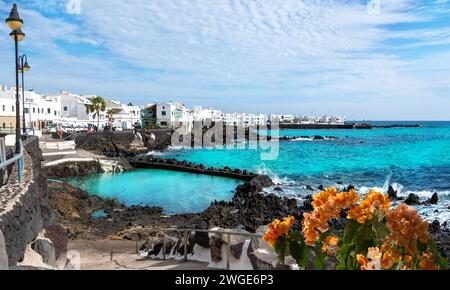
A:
[121,255]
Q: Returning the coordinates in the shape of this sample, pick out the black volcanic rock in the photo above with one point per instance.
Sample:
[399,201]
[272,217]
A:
[434,199]
[392,194]
[413,199]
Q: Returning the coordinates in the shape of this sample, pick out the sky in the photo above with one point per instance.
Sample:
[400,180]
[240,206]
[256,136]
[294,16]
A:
[365,59]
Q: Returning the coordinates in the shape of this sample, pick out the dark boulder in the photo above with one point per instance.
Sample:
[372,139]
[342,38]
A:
[392,194]
[321,187]
[309,187]
[413,199]
[201,238]
[435,227]
[215,244]
[434,199]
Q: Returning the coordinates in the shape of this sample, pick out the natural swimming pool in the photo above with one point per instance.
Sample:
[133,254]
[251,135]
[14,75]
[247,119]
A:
[176,192]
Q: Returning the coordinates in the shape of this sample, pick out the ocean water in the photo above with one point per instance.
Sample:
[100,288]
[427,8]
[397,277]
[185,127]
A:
[411,159]
[176,192]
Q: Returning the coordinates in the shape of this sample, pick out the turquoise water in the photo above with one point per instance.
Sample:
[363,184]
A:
[417,158]
[176,192]
[411,159]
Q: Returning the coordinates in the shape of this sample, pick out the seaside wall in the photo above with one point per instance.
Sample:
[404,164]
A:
[23,206]
[124,143]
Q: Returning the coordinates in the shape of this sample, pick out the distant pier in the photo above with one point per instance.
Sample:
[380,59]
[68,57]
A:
[344,126]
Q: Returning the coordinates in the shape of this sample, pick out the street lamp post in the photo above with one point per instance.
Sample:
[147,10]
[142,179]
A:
[14,22]
[23,67]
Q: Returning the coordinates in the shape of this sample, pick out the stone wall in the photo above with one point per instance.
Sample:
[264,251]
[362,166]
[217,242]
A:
[84,168]
[123,143]
[23,206]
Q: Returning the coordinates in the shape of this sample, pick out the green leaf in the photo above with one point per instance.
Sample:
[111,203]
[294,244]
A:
[350,231]
[299,252]
[381,230]
[280,248]
[318,260]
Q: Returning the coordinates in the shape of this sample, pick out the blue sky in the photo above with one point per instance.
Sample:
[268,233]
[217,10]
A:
[389,60]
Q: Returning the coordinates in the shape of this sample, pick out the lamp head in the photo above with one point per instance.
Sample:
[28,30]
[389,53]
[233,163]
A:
[20,34]
[26,66]
[14,21]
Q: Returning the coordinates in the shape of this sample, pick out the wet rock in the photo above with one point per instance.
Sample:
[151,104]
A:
[392,194]
[309,187]
[321,187]
[350,187]
[413,199]
[434,199]
[435,227]
[278,189]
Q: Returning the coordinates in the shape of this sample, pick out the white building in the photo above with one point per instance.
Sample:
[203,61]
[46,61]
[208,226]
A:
[173,114]
[200,114]
[39,110]
[73,108]
[125,117]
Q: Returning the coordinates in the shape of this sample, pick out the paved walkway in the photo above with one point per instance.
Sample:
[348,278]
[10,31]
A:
[121,255]
[55,151]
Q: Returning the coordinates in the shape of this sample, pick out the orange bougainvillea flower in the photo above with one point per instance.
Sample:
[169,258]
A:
[362,260]
[372,261]
[278,228]
[406,228]
[327,205]
[426,262]
[407,262]
[374,202]
[330,245]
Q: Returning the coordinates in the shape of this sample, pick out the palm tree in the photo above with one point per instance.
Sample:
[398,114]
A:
[97,105]
[110,115]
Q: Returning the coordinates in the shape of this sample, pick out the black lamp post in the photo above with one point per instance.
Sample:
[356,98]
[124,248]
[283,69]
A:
[14,22]
[23,67]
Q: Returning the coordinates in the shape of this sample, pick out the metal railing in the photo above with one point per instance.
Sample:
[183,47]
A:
[7,162]
[186,232]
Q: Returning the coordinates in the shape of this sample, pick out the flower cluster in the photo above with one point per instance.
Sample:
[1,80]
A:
[374,202]
[372,261]
[278,228]
[399,236]
[330,245]
[406,228]
[327,205]
[427,262]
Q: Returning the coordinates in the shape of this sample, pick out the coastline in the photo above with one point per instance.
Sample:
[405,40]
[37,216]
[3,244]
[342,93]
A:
[249,209]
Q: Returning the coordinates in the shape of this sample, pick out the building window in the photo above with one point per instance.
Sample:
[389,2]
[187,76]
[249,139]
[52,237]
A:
[66,109]
[163,113]
[49,111]
[26,110]
[4,125]
[12,108]
[4,108]
[34,110]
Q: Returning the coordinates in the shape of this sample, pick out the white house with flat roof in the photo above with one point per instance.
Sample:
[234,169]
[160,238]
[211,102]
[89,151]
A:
[40,110]
[73,108]
[173,114]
